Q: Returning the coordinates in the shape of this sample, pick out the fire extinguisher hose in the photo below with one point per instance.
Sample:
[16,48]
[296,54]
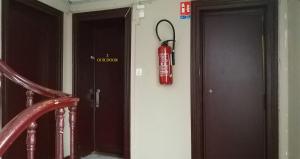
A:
[167,41]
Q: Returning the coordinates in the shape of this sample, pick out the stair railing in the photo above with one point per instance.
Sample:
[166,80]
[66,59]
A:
[27,118]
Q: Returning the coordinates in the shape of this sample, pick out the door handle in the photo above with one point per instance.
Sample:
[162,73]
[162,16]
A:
[98,98]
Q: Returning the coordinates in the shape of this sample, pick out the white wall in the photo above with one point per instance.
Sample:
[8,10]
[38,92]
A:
[294,78]
[161,115]
[283,80]
[67,72]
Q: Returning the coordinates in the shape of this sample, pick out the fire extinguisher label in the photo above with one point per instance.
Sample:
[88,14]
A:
[164,70]
[164,59]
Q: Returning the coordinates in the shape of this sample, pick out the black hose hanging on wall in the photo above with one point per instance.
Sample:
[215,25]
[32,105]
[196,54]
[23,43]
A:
[167,41]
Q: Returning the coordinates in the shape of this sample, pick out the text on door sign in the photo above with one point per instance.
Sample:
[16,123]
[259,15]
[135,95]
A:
[107,60]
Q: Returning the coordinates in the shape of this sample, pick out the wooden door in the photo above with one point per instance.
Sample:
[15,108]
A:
[32,46]
[234,85]
[231,100]
[85,88]
[109,83]
[102,80]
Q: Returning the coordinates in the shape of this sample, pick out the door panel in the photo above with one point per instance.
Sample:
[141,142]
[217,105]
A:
[234,85]
[109,78]
[32,47]
[85,88]
[101,58]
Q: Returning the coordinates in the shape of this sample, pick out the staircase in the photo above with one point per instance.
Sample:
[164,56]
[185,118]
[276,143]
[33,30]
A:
[25,120]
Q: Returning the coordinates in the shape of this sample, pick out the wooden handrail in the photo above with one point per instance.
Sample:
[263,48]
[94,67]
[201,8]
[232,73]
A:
[27,118]
[29,85]
[20,123]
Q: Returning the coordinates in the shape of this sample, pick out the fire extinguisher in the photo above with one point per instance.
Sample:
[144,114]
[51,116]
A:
[166,55]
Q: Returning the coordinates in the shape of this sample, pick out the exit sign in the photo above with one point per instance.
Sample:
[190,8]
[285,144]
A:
[185,10]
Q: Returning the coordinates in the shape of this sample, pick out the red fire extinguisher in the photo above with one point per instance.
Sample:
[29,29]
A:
[166,56]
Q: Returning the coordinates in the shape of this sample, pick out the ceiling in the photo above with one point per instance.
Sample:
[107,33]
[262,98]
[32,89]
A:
[86,1]
[83,1]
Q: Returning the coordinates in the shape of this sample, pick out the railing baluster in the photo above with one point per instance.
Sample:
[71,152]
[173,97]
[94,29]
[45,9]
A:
[72,121]
[31,131]
[59,147]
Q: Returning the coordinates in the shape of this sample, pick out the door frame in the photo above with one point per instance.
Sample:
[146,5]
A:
[100,15]
[271,28]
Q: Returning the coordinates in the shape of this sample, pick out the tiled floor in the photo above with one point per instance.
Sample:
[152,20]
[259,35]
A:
[99,156]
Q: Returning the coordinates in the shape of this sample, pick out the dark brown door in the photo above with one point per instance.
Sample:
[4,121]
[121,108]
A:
[234,85]
[32,46]
[85,87]
[109,85]
[101,68]
[232,95]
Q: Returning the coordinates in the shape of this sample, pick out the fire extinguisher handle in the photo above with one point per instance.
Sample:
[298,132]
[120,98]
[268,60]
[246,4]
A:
[166,41]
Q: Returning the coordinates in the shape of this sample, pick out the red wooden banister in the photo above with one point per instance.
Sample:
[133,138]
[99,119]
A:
[29,85]
[26,119]
[20,123]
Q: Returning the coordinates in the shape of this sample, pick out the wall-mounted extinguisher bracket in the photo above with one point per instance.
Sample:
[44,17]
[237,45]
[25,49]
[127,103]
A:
[166,56]
[166,42]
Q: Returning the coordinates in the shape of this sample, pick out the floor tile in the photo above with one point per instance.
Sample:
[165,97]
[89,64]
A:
[100,156]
